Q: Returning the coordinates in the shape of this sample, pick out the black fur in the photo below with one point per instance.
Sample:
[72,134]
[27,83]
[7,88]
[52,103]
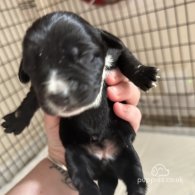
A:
[65,42]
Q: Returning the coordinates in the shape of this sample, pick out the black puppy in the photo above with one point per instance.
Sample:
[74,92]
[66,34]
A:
[66,60]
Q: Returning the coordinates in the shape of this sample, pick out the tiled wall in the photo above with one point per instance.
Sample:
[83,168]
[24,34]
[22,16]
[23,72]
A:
[15,151]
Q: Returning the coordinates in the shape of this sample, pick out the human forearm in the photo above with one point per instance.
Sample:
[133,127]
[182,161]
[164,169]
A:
[44,179]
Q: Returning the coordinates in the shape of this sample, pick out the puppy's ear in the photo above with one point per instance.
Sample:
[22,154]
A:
[23,77]
[111,41]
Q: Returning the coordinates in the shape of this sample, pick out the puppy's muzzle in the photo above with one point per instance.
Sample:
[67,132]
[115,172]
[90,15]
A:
[67,97]
[70,93]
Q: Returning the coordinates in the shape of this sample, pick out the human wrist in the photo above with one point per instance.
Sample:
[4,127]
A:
[57,155]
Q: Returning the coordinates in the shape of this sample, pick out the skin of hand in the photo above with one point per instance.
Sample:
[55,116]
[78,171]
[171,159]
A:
[119,89]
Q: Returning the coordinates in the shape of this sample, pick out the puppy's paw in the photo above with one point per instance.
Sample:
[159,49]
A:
[14,123]
[146,77]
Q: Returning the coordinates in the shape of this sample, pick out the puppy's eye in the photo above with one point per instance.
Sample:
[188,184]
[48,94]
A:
[96,56]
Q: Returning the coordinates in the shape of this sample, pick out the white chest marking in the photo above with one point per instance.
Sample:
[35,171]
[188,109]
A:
[108,61]
[108,152]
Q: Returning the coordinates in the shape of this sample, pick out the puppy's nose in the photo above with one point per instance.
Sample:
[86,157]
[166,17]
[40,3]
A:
[59,99]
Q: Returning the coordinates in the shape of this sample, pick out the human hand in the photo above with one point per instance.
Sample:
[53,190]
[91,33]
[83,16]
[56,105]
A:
[119,90]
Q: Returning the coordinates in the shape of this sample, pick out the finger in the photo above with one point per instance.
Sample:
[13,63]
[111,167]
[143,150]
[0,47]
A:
[128,113]
[114,77]
[51,122]
[124,91]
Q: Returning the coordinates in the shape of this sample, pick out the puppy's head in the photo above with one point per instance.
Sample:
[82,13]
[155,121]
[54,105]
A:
[63,57]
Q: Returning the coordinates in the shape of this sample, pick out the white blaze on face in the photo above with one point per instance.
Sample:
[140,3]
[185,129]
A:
[55,85]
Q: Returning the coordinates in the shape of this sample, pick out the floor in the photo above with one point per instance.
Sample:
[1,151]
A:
[168,163]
